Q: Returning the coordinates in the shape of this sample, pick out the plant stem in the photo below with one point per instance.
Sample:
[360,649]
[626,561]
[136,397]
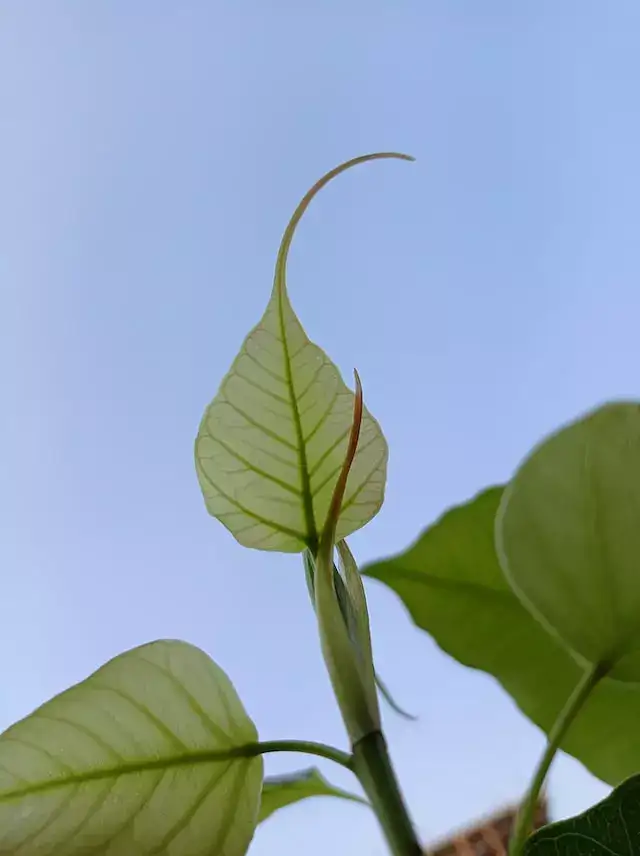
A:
[372,765]
[524,821]
[306,747]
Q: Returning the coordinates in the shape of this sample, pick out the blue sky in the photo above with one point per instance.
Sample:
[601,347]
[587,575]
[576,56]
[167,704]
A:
[152,153]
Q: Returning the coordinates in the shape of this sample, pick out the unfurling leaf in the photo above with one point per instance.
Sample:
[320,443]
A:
[344,632]
[347,614]
[271,444]
[568,536]
[451,583]
[152,754]
[281,791]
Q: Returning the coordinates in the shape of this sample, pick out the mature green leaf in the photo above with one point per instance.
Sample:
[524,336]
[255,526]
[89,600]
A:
[568,536]
[152,754]
[281,791]
[451,583]
[271,444]
[611,827]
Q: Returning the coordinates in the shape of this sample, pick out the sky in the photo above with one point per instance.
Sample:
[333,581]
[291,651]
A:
[151,155]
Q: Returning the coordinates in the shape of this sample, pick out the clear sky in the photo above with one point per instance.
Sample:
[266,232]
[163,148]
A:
[151,155]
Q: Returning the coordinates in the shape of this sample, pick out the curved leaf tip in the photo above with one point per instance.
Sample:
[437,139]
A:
[287,238]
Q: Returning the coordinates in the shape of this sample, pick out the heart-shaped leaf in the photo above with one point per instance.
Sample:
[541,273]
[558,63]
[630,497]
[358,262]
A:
[610,828]
[152,754]
[281,791]
[451,583]
[568,536]
[272,442]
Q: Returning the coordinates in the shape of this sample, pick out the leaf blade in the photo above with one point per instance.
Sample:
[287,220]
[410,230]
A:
[281,791]
[133,760]
[271,444]
[568,537]
[451,583]
[611,826]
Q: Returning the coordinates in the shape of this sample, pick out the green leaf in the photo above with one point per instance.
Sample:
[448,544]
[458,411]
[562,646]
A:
[611,827]
[568,536]
[281,791]
[451,583]
[385,692]
[152,754]
[343,600]
[271,444]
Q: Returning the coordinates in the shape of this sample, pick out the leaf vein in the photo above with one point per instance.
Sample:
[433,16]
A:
[254,469]
[323,418]
[257,425]
[195,706]
[283,530]
[162,727]
[263,389]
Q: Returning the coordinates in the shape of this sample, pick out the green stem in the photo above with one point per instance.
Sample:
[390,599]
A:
[524,821]
[306,747]
[372,765]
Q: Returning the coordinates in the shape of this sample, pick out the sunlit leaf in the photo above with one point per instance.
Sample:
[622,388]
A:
[569,536]
[281,791]
[272,443]
[152,754]
[451,583]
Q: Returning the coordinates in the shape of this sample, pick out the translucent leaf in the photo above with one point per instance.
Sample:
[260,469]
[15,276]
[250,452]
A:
[152,754]
[569,536]
[271,444]
[450,581]
[281,791]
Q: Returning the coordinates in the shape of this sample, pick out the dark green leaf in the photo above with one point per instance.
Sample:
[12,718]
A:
[280,791]
[451,583]
[610,828]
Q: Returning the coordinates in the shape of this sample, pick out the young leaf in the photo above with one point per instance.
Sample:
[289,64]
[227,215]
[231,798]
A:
[271,444]
[281,791]
[610,827]
[568,536]
[358,621]
[152,754]
[347,614]
[451,583]
[346,644]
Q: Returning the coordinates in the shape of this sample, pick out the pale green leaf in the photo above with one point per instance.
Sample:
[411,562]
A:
[272,443]
[152,754]
[451,583]
[281,791]
[568,535]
